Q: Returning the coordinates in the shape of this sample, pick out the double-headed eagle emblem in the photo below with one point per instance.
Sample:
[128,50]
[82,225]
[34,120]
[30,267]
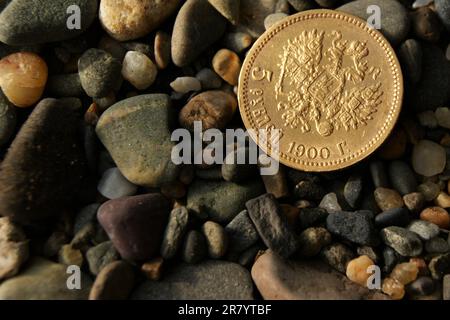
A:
[331,95]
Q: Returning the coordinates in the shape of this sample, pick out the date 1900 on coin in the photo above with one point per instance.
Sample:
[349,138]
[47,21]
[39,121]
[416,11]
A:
[328,82]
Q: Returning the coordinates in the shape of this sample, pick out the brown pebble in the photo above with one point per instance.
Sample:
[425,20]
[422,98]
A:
[23,77]
[395,146]
[436,215]
[153,269]
[388,199]
[162,49]
[213,108]
[227,65]
[276,184]
[114,282]
[174,190]
[68,255]
[405,273]
[426,24]
[414,201]
[187,174]
[291,213]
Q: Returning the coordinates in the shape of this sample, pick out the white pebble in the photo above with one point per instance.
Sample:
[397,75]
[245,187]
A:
[186,84]
[139,70]
[273,18]
[428,158]
[421,3]
[428,119]
[443,117]
[114,185]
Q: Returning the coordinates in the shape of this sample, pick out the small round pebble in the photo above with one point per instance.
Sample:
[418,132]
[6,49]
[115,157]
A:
[442,200]
[443,117]
[227,65]
[139,70]
[414,201]
[436,215]
[273,18]
[393,289]
[186,84]
[70,256]
[23,77]
[114,185]
[216,239]
[357,270]
[213,108]
[388,199]
[312,240]
[428,158]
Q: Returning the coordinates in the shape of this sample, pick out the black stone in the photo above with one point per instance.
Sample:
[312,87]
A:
[402,177]
[393,217]
[310,217]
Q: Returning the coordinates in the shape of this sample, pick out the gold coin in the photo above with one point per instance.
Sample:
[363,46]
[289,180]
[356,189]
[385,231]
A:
[330,84]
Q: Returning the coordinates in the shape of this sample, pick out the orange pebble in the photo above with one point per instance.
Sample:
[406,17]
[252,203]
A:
[436,215]
[23,77]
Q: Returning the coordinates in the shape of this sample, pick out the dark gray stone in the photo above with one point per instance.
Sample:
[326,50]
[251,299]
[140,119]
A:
[8,119]
[309,217]
[175,230]
[410,54]
[242,234]
[440,266]
[432,91]
[99,72]
[194,247]
[379,176]
[221,200]
[136,132]
[28,22]
[100,256]
[193,31]
[393,217]
[394,17]
[272,226]
[402,177]
[357,227]
[443,11]
[422,286]
[65,85]
[353,190]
